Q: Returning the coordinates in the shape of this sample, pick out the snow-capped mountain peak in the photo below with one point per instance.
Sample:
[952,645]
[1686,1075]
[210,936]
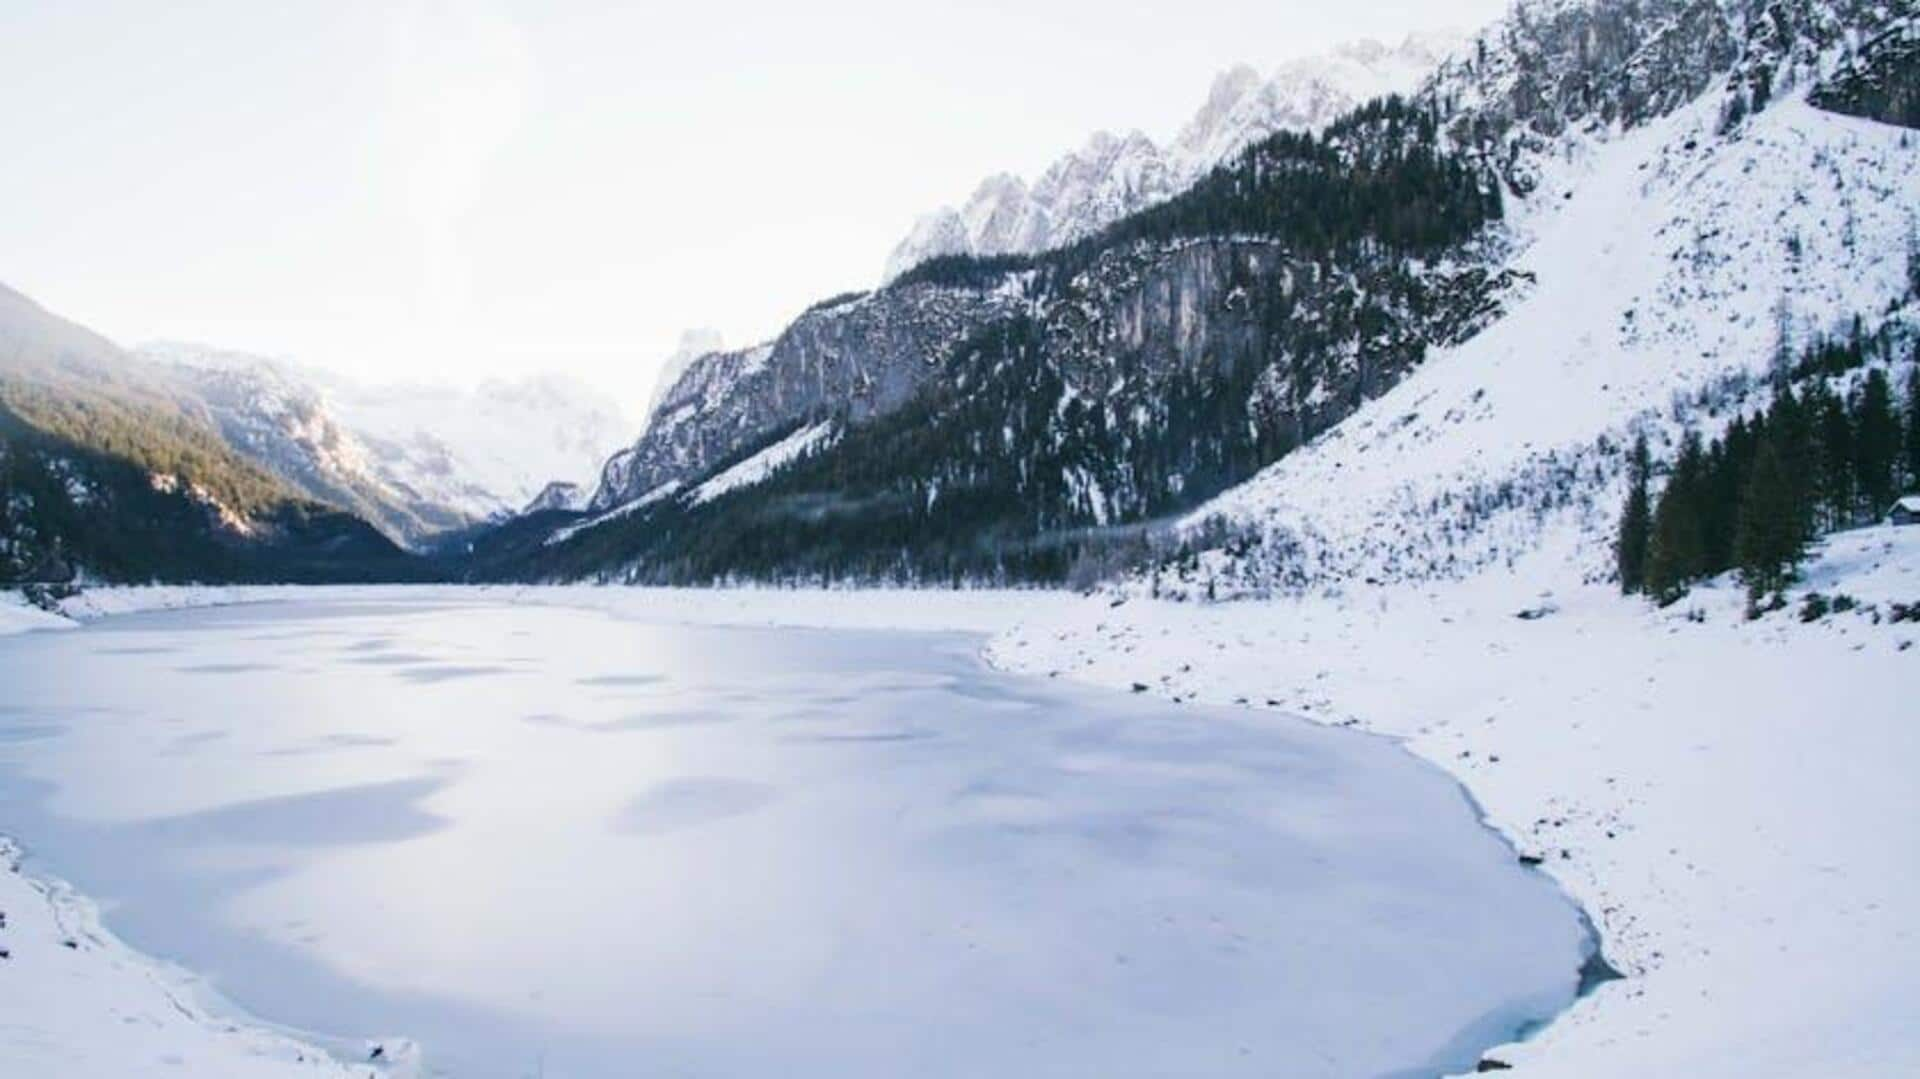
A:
[1111,176]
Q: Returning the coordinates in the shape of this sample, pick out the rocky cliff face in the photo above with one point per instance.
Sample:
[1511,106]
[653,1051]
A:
[854,360]
[1880,79]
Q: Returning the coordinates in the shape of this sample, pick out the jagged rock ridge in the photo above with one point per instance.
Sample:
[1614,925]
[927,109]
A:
[1112,175]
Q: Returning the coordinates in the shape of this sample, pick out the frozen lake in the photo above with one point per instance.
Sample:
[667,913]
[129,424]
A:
[544,840]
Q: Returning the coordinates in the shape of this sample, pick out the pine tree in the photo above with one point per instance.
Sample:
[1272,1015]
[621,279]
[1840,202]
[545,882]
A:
[1676,554]
[1727,465]
[1772,537]
[1834,456]
[1789,426]
[1636,522]
[1876,449]
[1912,440]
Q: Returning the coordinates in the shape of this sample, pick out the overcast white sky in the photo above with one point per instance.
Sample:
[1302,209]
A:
[452,191]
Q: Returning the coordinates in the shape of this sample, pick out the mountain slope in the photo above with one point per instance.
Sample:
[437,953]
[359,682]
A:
[109,471]
[863,356]
[1674,264]
[990,412]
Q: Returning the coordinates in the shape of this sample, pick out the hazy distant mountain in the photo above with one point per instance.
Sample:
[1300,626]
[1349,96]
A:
[417,459]
[1112,176]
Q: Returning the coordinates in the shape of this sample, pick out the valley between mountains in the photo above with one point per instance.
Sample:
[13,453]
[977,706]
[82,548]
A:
[1544,398]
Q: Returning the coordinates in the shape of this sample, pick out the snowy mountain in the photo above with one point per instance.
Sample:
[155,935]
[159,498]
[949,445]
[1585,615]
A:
[417,459]
[1594,208]
[487,450]
[1112,176]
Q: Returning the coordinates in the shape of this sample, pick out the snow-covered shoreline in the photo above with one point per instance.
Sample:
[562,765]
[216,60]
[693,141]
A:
[79,1001]
[1713,792]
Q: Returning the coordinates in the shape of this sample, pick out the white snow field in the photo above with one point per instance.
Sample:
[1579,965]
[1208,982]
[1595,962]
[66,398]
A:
[543,838]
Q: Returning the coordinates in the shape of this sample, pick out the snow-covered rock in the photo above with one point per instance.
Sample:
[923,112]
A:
[694,344]
[765,463]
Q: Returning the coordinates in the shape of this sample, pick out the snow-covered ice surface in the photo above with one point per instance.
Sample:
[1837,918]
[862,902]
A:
[537,835]
[76,1001]
[1732,801]
[1728,800]
[81,1003]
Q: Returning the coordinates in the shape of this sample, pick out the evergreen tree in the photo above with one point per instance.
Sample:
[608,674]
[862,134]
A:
[1772,537]
[1788,425]
[1727,464]
[1876,449]
[1636,522]
[1834,456]
[1676,555]
[1912,440]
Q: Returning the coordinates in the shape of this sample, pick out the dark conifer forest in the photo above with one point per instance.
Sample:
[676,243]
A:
[1838,443]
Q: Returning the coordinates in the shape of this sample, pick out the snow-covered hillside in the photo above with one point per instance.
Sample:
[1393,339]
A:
[1663,265]
[444,456]
[1111,175]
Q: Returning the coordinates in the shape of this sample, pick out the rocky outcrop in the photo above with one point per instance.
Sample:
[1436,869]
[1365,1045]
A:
[558,495]
[1881,80]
